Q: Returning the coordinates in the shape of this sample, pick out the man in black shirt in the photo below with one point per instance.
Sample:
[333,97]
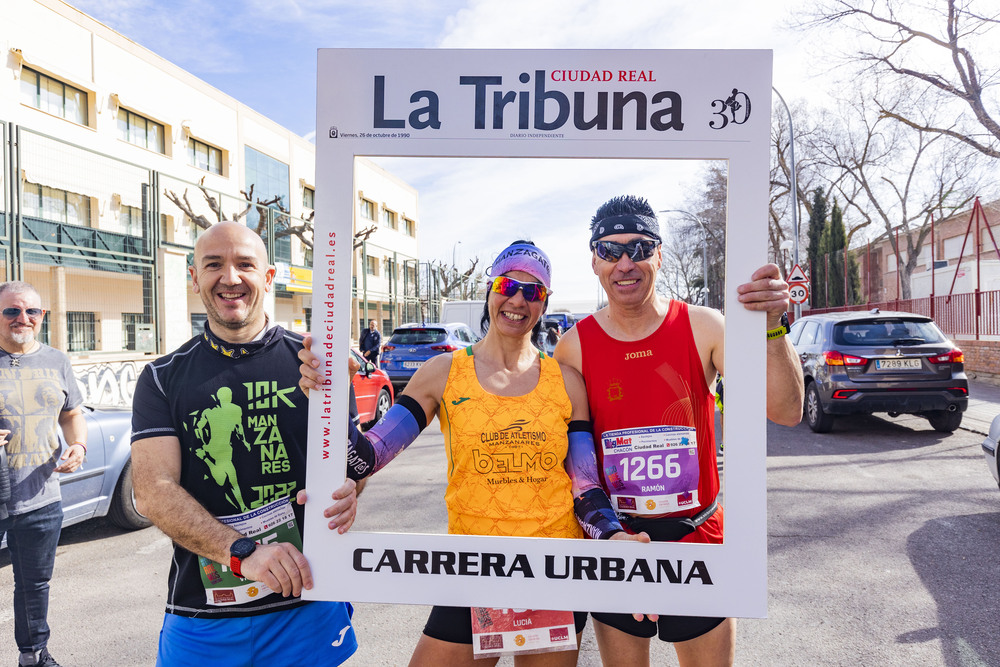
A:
[218,450]
[371,343]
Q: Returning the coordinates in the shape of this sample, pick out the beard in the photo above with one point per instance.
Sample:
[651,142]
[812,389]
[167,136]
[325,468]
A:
[23,337]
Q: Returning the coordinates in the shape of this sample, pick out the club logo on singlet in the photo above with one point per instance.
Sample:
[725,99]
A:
[615,392]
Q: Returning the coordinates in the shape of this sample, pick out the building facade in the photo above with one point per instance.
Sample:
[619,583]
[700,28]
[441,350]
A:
[113,162]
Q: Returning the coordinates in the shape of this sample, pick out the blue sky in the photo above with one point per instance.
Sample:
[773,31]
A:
[263,53]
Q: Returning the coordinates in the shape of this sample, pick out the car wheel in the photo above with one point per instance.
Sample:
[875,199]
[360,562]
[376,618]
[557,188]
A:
[944,421]
[122,511]
[383,404]
[818,420]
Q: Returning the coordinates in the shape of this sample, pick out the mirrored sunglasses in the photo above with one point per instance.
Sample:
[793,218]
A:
[638,250]
[14,313]
[508,287]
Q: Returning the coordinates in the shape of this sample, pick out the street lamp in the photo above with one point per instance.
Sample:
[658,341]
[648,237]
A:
[704,250]
[794,193]
[454,266]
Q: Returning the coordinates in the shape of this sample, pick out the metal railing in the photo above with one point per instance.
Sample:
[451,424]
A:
[972,314]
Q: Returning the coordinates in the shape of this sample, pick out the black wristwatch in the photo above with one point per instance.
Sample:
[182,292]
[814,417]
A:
[240,550]
[781,330]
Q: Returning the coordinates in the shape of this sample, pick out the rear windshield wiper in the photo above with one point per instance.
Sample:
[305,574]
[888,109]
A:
[908,341]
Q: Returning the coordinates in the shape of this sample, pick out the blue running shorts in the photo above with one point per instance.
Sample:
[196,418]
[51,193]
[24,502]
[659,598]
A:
[318,633]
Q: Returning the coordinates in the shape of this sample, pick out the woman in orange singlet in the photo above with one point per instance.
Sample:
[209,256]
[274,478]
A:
[505,409]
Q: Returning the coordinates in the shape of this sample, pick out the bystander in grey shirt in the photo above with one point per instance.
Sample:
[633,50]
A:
[34,389]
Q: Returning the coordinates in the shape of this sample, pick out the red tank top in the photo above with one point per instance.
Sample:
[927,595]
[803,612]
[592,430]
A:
[654,382]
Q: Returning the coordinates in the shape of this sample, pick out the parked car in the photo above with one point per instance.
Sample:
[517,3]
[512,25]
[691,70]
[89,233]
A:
[412,344]
[102,486]
[866,362]
[372,390]
[990,448]
[563,320]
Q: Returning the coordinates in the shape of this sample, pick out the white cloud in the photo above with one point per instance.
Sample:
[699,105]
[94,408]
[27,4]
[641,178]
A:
[488,203]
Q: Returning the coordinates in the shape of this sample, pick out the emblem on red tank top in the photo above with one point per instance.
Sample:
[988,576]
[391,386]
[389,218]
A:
[638,355]
[615,392]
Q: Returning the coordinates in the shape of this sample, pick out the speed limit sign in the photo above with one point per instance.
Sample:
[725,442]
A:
[798,292]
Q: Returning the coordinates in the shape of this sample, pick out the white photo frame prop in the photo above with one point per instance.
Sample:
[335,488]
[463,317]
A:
[645,104]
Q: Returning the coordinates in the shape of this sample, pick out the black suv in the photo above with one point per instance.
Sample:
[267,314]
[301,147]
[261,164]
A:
[865,362]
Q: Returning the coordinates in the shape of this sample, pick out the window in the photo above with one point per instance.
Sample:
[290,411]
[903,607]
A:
[308,198]
[198,321]
[795,330]
[810,334]
[204,156]
[82,331]
[130,322]
[43,335]
[270,180]
[371,265]
[410,227]
[389,219]
[130,218]
[53,205]
[308,312]
[53,96]
[367,209]
[140,131]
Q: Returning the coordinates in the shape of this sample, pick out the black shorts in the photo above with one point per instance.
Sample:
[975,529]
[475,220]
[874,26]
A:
[669,628]
[454,624]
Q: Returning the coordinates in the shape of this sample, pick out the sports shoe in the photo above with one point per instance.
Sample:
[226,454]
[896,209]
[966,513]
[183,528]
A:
[44,659]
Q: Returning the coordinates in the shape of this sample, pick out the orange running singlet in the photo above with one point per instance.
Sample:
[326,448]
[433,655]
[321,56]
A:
[506,456]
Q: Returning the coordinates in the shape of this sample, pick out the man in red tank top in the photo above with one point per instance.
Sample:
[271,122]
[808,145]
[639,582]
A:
[648,362]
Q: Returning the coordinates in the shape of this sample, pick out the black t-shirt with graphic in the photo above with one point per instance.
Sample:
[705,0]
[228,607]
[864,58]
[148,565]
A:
[241,421]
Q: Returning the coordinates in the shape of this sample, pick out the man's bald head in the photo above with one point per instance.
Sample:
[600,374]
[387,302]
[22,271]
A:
[227,231]
[232,275]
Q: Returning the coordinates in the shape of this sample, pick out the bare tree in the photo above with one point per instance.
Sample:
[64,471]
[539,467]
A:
[451,282]
[947,48]
[808,176]
[893,178]
[698,228]
[283,222]
[680,274]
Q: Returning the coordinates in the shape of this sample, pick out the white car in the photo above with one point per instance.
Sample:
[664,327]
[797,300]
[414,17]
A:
[990,448]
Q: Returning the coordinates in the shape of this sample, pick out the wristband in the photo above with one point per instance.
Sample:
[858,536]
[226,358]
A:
[368,453]
[595,515]
[82,445]
[780,330]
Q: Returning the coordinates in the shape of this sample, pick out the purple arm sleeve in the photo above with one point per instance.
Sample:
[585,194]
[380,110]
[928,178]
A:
[592,506]
[367,453]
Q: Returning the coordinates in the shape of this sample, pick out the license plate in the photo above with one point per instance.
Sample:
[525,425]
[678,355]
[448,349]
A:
[412,364]
[897,364]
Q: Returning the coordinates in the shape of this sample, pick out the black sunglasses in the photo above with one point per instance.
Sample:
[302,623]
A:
[508,287]
[638,250]
[12,313]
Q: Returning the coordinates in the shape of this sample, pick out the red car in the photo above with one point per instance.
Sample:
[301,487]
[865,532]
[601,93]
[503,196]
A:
[372,390]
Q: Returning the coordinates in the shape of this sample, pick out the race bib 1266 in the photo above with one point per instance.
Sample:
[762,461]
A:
[651,470]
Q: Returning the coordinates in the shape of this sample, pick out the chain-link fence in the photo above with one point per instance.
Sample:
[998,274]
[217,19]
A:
[92,232]
[83,238]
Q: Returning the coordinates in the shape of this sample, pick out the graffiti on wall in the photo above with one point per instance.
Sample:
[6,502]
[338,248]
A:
[108,383]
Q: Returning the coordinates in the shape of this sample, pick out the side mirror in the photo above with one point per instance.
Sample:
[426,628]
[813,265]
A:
[369,368]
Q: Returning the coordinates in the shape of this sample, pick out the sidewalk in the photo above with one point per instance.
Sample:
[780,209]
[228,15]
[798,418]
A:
[984,405]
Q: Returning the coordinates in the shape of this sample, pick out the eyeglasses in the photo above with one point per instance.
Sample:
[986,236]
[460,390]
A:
[14,313]
[508,287]
[638,250]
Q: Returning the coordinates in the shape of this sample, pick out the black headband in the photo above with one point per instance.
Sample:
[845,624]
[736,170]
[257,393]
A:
[630,223]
